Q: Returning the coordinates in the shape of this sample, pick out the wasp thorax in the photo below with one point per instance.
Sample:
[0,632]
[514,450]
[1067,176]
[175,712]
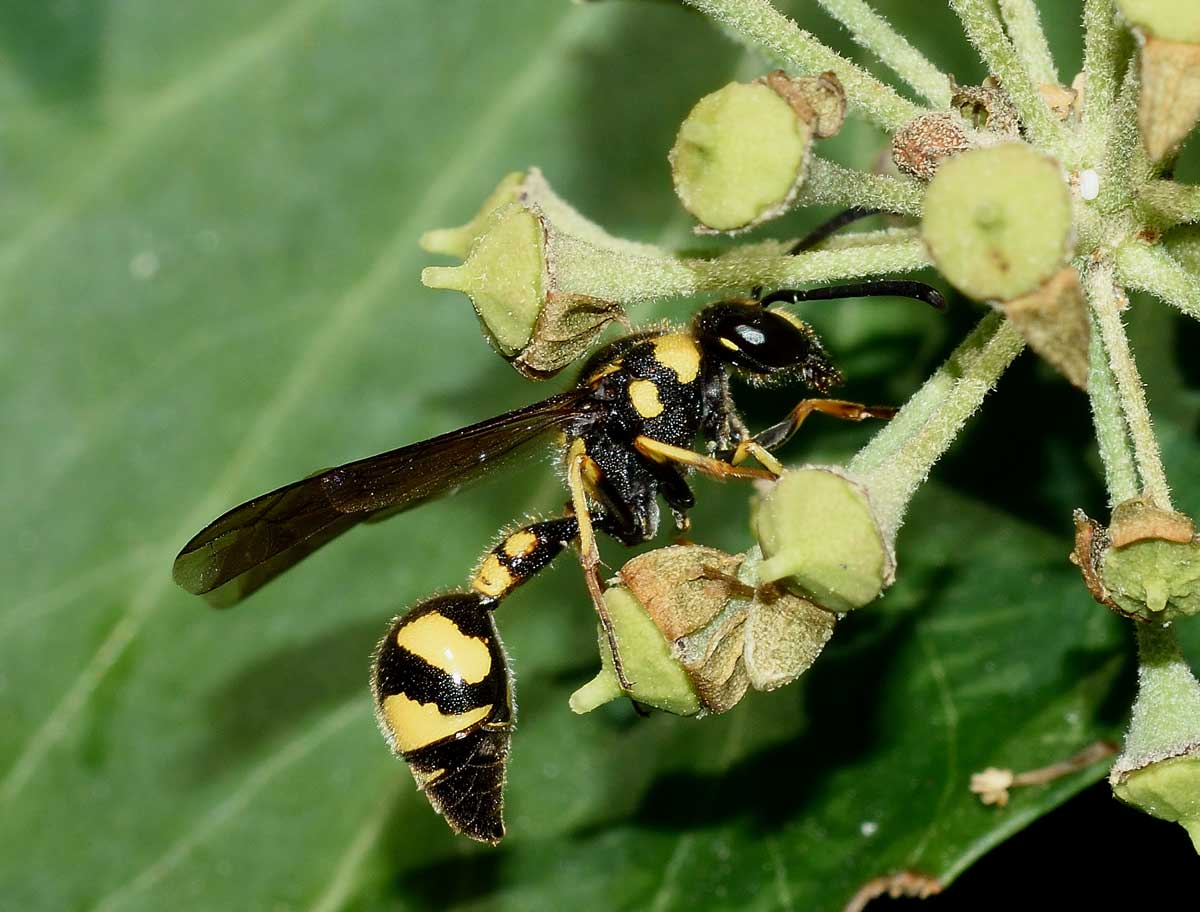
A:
[695,631]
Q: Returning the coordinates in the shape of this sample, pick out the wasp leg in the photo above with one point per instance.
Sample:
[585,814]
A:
[778,434]
[589,559]
[706,465]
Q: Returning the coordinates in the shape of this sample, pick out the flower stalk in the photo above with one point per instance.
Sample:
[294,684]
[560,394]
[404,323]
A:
[898,459]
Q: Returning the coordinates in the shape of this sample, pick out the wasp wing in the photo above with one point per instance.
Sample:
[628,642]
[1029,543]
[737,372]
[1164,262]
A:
[250,545]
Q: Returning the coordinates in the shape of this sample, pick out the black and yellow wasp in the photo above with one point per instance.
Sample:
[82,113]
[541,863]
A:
[626,433]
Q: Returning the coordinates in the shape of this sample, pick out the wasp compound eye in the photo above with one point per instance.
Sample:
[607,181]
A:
[750,337]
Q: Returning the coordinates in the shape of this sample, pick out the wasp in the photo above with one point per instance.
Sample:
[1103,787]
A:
[625,433]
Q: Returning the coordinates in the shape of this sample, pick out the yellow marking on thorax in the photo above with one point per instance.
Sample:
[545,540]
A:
[679,352]
[438,641]
[493,579]
[416,725]
[520,544]
[644,396]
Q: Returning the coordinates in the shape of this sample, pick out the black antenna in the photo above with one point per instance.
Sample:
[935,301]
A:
[886,288]
[825,229]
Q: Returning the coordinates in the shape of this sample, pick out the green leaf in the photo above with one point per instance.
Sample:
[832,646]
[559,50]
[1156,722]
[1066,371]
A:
[208,251]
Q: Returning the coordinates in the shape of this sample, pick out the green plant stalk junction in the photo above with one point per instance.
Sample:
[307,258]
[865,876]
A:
[1046,197]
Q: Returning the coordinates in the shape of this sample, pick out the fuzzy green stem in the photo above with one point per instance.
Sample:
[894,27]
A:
[1029,38]
[1166,715]
[1112,434]
[1153,270]
[1102,298]
[898,459]
[1101,60]
[584,268]
[1170,203]
[829,183]
[873,32]
[1124,163]
[759,23]
[985,32]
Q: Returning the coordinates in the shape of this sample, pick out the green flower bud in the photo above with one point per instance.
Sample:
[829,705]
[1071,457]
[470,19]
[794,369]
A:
[1168,789]
[1151,568]
[1159,769]
[504,276]
[1145,566]
[741,154]
[695,630]
[997,221]
[1154,580]
[658,679]
[819,536]
[509,274]
[457,242]
[1175,20]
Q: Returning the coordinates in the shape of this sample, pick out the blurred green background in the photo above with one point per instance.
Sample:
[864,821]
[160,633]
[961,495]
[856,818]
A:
[210,287]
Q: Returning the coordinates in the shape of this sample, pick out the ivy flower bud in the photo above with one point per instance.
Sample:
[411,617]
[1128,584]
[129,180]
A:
[510,276]
[1152,567]
[997,221]
[695,631]
[1175,20]
[1145,566]
[820,538]
[742,152]
[1159,769]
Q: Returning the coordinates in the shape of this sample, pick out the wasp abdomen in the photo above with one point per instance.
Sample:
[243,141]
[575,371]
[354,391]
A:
[522,554]
[444,702]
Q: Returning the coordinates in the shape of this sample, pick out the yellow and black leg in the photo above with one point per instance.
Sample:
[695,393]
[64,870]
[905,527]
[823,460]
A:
[443,698]
[705,465]
[778,434]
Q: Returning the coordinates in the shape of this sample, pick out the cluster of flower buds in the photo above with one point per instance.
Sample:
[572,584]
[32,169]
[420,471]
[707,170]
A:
[696,627]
